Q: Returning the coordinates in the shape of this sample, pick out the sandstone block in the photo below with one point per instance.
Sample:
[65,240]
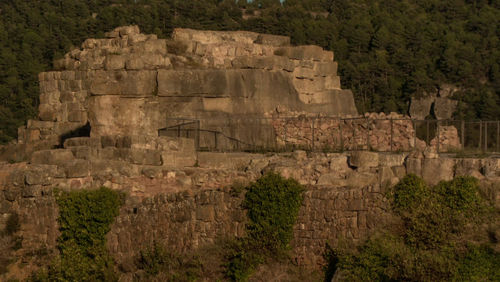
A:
[444,107]
[466,167]
[307,52]
[338,164]
[387,177]
[392,159]
[361,179]
[47,112]
[364,159]
[84,152]
[126,83]
[31,191]
[273,40]
[435,170]
[113,115]
[492,167]
[47,86]
[399,171]
[77,168]
[325,68]
[420,108]
[332,179]
[50,97]
[40,174]
[414,166]
[114,62]
[52,157]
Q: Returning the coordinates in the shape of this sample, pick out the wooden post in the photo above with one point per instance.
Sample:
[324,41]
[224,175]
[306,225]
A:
[197,141]
[498,136]
[463,134]
[367,134]
[486,136]
[415,135]
[354,134]
[341,135]
[427,138]
[284,137]
[438,139]
[480,134]
[392,133]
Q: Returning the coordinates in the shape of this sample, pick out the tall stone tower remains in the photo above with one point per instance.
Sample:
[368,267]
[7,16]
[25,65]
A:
[129,83]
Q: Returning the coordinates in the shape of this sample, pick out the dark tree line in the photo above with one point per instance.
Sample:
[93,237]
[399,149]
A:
[388,50]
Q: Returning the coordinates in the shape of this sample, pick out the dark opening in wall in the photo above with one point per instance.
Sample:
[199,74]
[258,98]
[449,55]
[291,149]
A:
[83,131]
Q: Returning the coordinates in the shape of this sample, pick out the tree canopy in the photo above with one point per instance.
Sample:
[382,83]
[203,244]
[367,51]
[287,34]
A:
[387,50]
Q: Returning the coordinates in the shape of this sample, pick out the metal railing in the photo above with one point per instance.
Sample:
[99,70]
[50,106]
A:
[336,134]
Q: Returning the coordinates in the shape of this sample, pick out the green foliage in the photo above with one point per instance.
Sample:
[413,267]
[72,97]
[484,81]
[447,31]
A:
[156,260]
[85,216]
[272,204]
[387,50]
[433,243]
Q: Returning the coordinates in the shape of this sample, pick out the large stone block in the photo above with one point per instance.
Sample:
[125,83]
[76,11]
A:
[212,83]
[273,40]
[134,156]
[114,62]
[52,157]
[82,141]
[364,159]
[392,159]
[420,108]
[48,112]
[126,83]
[77,168]
[414,166]
[444,107]
[112,115]
[40,174]
[307,52]
[435,170]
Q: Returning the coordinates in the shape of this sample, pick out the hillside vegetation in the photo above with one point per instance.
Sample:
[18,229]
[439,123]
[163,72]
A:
[387,50]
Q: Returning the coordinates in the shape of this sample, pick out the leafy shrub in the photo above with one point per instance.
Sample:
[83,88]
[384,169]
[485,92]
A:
[433,245]
[272,204]
[85,217]
[156,261]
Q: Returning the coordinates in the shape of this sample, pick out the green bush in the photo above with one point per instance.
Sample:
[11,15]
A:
[272,204]
[157,262]
[85,217]
[433,244]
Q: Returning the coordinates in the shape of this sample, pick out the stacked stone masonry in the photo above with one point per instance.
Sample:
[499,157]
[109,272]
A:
[185,208]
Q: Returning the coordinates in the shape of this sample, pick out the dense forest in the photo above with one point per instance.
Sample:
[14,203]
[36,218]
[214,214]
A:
[388,50]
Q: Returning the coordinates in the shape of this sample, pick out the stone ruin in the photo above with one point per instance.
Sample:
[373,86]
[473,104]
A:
[438,103]
[129,83]
[243,85]
[102,113]
[124,92]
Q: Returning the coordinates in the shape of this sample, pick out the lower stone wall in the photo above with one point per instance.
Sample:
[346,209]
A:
[191,207]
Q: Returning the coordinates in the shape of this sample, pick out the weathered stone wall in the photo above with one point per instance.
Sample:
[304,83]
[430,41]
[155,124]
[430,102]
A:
[377,132]
[187,207]
[128,83]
